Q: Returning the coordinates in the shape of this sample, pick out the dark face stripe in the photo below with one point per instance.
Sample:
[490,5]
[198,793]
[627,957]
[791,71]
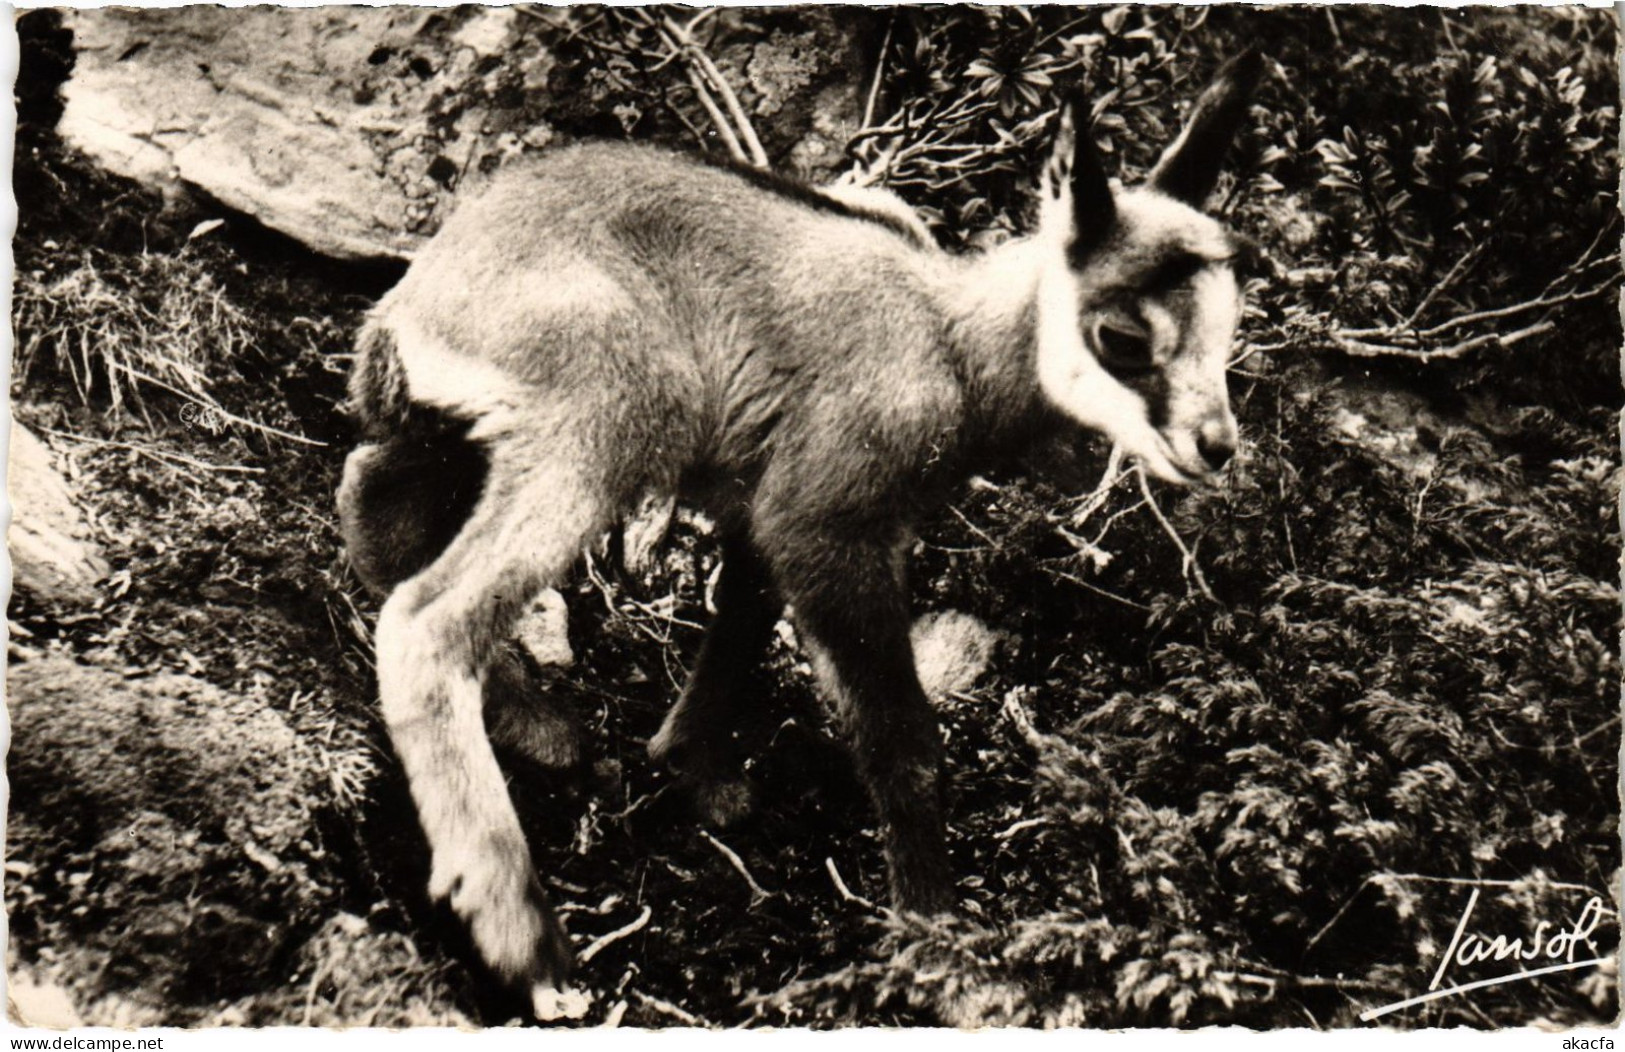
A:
[1153,387]
[1160,283]
[811,197]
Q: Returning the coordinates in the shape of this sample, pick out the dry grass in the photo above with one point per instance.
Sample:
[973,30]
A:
[118,326]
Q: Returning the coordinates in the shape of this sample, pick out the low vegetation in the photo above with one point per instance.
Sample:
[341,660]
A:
[1243,756]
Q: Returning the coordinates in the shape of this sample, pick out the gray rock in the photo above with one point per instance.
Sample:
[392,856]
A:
[54,559]
[544,630]
[352,129]
[951,649]
[319,122]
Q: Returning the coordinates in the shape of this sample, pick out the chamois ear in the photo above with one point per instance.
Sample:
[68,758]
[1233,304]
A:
[1075,170]
[1189,168]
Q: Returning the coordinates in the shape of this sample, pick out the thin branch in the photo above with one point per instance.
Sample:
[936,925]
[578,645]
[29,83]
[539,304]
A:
[880,69]
[1490,882]
[216,408]
[310,991]
[758,892]
[156,454]
[694,23]
[1276,978]
[1359,348]
[1239,360]
[1096,498]
[1112,521]
[667,1008]
[1017,714]
[682,118]
[1543,303]
[1189,567]
[1086,586]
[1347,904]
[971,526]
[615,936]
[1588,735]
[1471,882]
[683,40]
[1025,823]
[718,121]
[1455,272]
[846,893]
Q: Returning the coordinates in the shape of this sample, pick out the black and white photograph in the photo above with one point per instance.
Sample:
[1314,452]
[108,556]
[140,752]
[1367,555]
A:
[814,517]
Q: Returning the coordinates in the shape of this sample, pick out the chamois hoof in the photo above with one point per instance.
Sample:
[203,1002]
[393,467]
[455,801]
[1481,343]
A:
[496,895]
[542,736]
[722,803]
[551,1004]
[522,719]
[720,796]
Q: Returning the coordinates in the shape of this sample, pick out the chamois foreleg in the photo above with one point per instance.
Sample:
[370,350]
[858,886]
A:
[846,585]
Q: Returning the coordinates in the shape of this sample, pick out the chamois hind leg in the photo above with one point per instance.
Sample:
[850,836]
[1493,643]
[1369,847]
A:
[401,503]
[845,582]
[438,635]
[700,737]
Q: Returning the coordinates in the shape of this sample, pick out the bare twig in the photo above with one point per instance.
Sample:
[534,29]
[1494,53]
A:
[615,936]
[1017,714]
[310,991]
[1455,272]
[1025,823]
[1189,567]
[1542,303]
[214,408]
[683,40]
[1588,735]
[1489,882]
[1111,521]
[846,893]
[718,121]
[880,69]
[667,1008]
[1324,928]
[1276,979]
[1103,593]
[682,118]
[1096,498]
[156,454]
[1360,348]
[1470,882]
[1406,340]
[757,891]
[694,23]
[971,526]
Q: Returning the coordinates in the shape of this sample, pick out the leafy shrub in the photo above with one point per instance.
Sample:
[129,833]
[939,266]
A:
[1265,806]
[1279,752]
[1248,778]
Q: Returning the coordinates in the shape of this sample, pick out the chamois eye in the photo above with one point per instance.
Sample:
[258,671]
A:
[1123,350]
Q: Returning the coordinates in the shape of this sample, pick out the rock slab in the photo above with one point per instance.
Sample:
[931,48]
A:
[162,839]
[279,113]
[54,559]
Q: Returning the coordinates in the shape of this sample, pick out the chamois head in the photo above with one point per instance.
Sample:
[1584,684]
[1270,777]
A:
[1138,300]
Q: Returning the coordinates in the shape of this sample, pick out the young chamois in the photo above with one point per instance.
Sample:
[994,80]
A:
[613,321]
